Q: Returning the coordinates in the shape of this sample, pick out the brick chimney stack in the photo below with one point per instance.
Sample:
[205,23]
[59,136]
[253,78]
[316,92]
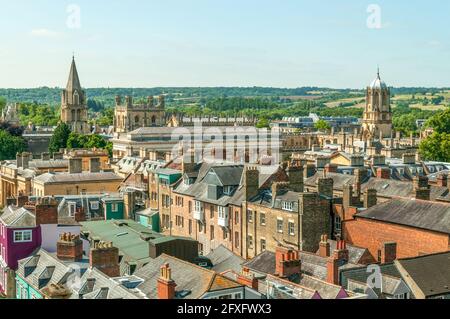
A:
[442,180]
[421,188]
[287,262]
[324,247]
[247,278]
[166,286]
[325,187]
[340,256]
[45,210]
[331,168]
[384,172]
[251,182]
[105,257]
[388,252]
[295,174]
[69,247]
[370,198]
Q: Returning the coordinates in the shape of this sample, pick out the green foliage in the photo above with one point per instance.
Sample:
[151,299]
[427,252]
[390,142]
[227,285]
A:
[322,125]
[76,140]
[263,123]
[10,145]
[436,147]
[40,115]
[2,103]
[106,117]
[59,138]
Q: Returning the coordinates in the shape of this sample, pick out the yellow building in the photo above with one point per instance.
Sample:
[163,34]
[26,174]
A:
[87,154]
[77,181]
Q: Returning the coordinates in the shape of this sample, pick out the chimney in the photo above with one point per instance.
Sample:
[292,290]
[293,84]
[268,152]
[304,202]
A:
[360,176]
[309,171]
[384,173]
[75,166]
[251,182]
[26,158]
[45,156]
[287,262]
[331,168]
[347,200]
[247,278]
[421,188]
[105,257]
[409,158]
[165,285]
[278,188]
[19,160]
[442,180]
[69,247]
[57,156]
[45,211]
[388,252]
[324,247]
[340,256]
[370,198]
[325,187]
[94,165]
[378,160]
[295,174]
[21,200]
[56,291]
[188,163]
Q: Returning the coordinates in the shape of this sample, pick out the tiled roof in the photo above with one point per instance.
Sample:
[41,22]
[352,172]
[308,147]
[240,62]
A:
[224,259]
[190,278]
[55,178]
[427,215]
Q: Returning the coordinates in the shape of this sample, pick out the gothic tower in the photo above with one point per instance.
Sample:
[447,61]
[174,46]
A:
[377,118]
[74,111]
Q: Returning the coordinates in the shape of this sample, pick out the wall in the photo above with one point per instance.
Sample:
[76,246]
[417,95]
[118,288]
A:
[25,291]
[75,189]
[17,251]
[51,235]
[411,242]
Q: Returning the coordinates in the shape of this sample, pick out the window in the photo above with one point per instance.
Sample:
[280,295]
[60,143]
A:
[249,216]
[236,239]
[402,296]
[211,230]
[228,190]
[114,207]
[211,211]
[291,227]
[225,233]
[263,244]
[72,209]
[280,225]
[236,217]
[198,206]
[190,226]
[223,212]
[262,219]
[94,205]
[337,224]
[250,241]
[288,206]
[22,236]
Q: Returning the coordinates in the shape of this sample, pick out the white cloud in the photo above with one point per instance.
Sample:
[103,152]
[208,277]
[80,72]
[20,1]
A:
[45,33]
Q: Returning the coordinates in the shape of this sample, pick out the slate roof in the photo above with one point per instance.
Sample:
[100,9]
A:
[44,268]
[427,215]
[224,259]
[431,273]
[18,217]
[195,281]
[96,285]
[339,180]
[354,253]
[56,178]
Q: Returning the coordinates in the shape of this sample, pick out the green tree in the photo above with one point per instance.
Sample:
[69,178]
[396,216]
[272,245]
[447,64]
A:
[436,147]
[59,138]
[10,145]
[263,123]
[322,125]
[2,103]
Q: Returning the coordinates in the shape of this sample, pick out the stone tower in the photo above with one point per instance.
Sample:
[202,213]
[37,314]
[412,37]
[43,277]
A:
[129,116]
[377,118]
[74,111]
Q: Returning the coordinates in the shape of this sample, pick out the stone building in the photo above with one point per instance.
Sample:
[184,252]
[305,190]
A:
[377,118]
[129,116]
[74,110]
[10,114]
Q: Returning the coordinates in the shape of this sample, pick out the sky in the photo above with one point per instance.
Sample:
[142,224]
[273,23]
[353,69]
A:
[277,43]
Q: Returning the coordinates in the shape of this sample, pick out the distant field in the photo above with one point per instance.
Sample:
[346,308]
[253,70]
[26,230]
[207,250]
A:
[360,102]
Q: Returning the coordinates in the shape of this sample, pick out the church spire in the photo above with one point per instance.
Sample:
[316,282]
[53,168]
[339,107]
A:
[74,82]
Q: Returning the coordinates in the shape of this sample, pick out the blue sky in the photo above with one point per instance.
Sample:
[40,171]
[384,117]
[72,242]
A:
[284,43]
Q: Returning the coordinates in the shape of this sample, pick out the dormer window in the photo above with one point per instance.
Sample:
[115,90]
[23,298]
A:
[288,206]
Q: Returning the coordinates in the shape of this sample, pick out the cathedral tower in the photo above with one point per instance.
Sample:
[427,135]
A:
[74,111]
[377,118]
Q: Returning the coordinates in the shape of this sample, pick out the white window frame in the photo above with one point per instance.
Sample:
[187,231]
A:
[72,208]
[337,223]
[223,212]
[289,206]
[22,233]
[198,206]
[114,207]
[291,228]
[94,205]
[262,219]
[227,190]
[250,241]
[249,215]
[279,219]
